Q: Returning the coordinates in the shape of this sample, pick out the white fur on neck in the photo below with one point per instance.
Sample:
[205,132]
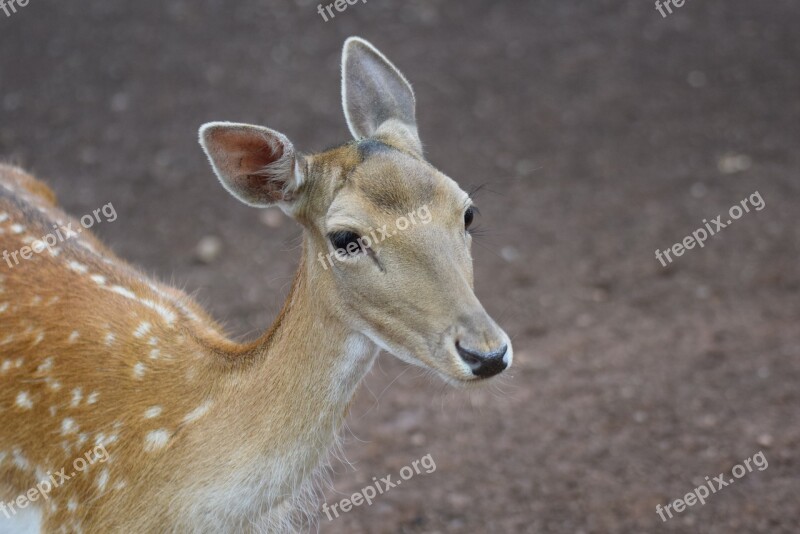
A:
[26,520]
[266,494]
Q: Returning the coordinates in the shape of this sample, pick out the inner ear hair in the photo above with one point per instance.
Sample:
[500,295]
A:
[255,164]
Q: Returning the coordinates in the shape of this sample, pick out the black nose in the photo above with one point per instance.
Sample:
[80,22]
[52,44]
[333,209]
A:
[483,364]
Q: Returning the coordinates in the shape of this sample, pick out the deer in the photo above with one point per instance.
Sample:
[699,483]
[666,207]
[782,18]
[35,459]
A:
[201,433]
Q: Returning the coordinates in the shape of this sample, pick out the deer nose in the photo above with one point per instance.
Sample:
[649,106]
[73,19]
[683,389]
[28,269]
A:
[484,364]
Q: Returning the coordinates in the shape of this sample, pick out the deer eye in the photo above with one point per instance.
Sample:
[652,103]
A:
[348,241]
[469,215]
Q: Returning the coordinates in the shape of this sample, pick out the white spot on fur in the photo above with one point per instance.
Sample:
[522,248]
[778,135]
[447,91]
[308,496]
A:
[154,354]
[45,366]
[39,338]
[3,307]
[198,412]
[165,313]
[39,473]
[110,338]
[152,412]
[143,329]
[6,365]
[68,426]
[73,337]
[124,292]
[87,246]
[24,400]
[77,267]
[92,398]
[19,460]
[17,228]
[72,504]
[77,395]
[155,440]
[139,369]
[102,480]
[98,279]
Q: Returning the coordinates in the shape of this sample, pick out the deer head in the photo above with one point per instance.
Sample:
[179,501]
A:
[387,236]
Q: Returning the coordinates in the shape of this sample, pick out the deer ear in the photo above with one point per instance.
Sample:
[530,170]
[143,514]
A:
[376,97]
[255,164]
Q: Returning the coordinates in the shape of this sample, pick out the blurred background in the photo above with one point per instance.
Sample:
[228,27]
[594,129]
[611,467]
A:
[601,130]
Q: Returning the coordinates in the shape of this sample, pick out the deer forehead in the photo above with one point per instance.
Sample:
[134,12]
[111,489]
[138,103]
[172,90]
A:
[386,183]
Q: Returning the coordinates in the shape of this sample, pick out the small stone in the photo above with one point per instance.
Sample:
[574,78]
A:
[119,102]
[208,248]
[584,320]
[765,440]
[733,163]
[599,295]
[509,254]
[708,421]
[697,79]
[214,74]
[698,190]
[525,167]
[12,101]
[88,155]
[272,217]
[702,292]
[459,500]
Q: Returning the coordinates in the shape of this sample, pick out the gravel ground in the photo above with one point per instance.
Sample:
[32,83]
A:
[602,132]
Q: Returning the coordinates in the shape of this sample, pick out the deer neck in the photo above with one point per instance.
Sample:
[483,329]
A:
[301,375]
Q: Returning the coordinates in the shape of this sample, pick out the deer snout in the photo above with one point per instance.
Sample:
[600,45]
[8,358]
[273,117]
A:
[482,345]
[484,364]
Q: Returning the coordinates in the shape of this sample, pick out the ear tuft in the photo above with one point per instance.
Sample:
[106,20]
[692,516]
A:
[376,97]
[255,164]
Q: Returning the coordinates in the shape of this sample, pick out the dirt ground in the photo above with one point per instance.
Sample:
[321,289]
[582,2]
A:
[602,132]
